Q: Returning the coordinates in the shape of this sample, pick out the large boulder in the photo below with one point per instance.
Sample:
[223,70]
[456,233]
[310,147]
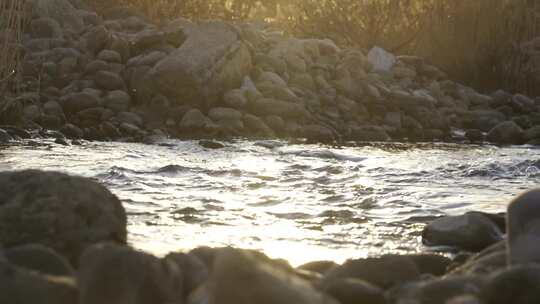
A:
[63,212]
[243,277]
[210,62]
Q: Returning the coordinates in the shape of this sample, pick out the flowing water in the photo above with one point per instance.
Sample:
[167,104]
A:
[294,201]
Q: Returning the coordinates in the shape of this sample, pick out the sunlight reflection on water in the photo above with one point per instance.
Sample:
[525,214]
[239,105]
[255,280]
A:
[298,202]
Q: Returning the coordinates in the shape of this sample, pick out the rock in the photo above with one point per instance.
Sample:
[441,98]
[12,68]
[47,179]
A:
[65,213]
[437,291]
[111,274]
[77,102]
[384,272]
[353,291]
[483,264]
[434,264]
[45,28]
[39,258]
[507,132]
[96,39]
[318,133]
[194,119]
[72,131]
[118,101]
[237,271]
[21,286]
[532,133]
[235,99]
[272,78]
[318,266]
[472,231]
[210,144]
[4,136]
[194,271]
[367,133]
[210,62]
[96,66]
[517,285]
[257,126]
[130,118]
[61,141]
[52,107]
[109,56]
[109,81]
[269,106]
[474,135]
[60,10]
[32,112]
[380,59]
[221,113]
[523,223]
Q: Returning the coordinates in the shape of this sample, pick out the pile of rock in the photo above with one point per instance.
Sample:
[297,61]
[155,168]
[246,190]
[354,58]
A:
[120,75]
[52,229]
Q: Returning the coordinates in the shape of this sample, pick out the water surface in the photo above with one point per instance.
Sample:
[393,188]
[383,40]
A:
[293,201]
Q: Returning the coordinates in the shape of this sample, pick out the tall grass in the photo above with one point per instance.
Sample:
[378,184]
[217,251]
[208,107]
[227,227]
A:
[12,18]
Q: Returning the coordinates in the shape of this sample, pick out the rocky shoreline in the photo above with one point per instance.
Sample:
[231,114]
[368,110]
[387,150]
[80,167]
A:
[63,239]
[121,77]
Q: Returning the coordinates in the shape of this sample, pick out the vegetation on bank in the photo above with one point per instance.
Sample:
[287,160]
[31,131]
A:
[487,44]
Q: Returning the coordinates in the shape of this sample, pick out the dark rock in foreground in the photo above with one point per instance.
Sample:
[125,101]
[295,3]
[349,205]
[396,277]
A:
[63,212]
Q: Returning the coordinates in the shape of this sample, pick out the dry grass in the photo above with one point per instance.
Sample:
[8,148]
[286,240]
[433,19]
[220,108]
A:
[12,18]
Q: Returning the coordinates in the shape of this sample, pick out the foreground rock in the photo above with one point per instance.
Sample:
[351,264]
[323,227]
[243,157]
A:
[243,277]
[111,274]
[472,231]
[524,229]
[63,212]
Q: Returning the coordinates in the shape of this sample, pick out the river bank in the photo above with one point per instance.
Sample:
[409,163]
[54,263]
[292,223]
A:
[119,76]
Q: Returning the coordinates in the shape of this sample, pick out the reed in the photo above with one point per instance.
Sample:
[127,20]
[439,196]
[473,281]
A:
[12,18]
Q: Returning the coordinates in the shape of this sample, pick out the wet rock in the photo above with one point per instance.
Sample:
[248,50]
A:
[210,144]
[367,133]
[109,81]
[507,132]
[474,135]
[65,213]
[210,62]
[237,271]
[72,131]
[61,141]
[318,133]
[353,291]
[21,286]
[517,285]
[383,272]
[39,258]
[111,274]
[484,264]
[220,113]
[4,136]
[472,231]
[523,228]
